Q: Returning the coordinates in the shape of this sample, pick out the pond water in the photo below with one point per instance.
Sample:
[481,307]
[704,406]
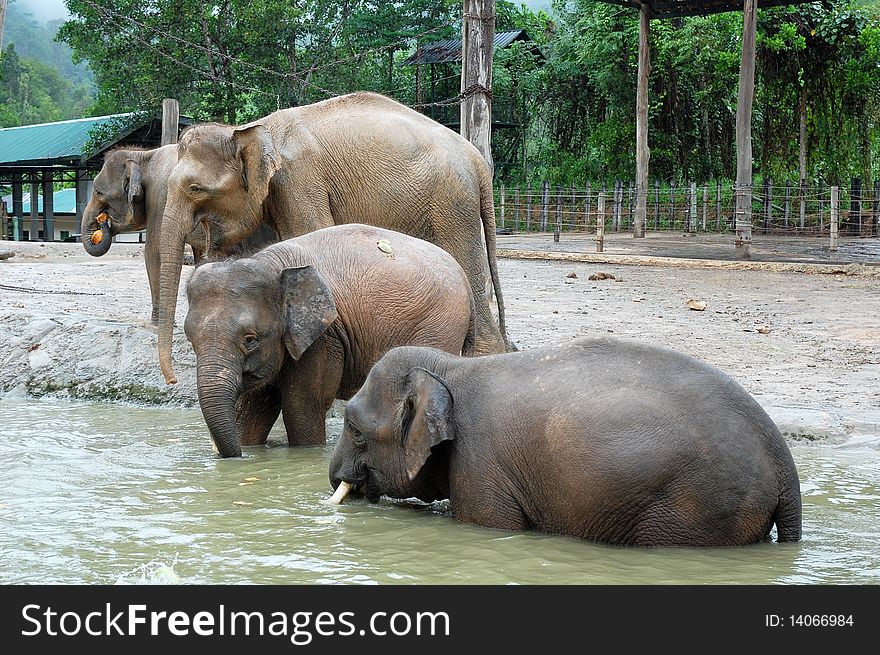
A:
[99,493]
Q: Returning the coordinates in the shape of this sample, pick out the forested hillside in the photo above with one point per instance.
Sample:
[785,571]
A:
[38,80]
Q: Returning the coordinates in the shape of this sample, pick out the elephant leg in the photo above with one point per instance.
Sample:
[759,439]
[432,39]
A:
[151,260]
[487,339]
[310,386]
[257,412]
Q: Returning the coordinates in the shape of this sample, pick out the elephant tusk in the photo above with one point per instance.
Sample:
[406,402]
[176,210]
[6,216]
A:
[341,492]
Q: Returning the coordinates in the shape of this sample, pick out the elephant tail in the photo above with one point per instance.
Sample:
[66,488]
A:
[487,215]
[470,339]
[787,516]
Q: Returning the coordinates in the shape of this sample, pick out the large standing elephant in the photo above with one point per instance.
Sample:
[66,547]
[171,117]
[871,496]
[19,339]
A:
[301,323]
[611,441]
[128,195]
[359,158]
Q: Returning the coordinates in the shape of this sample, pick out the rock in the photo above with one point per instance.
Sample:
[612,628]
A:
[6,254]
[762,329]
[572,275]
[697,305]
[601,276]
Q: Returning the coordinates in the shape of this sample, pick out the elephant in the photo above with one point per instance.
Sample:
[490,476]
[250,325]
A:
[357,158]
[128,195]
[612,441]
[301,322]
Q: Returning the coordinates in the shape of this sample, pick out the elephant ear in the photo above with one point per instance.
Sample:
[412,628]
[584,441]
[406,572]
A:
[308,308]
[426,418]
[133,180]
[258,159]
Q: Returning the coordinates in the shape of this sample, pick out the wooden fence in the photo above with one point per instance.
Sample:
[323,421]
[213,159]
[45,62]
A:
[776,209]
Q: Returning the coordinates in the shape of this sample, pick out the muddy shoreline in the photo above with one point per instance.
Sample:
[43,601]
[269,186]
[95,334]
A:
[807,346]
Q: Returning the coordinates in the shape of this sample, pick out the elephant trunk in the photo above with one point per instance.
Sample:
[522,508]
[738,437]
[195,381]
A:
[95,230]
[174,230]
[219,387]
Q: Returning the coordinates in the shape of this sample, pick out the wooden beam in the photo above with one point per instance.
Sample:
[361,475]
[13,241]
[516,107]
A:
[643,154]
[478,33]
[170,121]
[743,205]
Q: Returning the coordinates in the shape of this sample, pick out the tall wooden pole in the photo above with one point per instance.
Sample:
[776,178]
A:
[743,205]
[478,33]
[643,154]
[170,121]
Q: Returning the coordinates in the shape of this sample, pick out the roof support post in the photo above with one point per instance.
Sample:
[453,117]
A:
[478,34]
[643,153]
[35,201]
[48,207]
[170,121]
[744,131]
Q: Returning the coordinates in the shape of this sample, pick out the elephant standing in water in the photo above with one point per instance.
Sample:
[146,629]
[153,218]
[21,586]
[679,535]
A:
[128,195]
[611,441]
[358,158]
[301,323]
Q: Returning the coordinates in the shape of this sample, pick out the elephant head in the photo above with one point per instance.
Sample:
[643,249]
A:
[393,426]
[116,204]
[220,182]
[244,317]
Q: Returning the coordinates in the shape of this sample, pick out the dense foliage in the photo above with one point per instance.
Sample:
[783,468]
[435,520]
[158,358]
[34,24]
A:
[236,60]
[38,81]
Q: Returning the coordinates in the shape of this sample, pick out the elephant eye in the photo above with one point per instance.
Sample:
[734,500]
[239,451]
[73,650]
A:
[195,188]
[357,436]
[250,341]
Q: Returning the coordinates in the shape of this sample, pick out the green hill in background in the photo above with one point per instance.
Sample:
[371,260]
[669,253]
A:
[38,80]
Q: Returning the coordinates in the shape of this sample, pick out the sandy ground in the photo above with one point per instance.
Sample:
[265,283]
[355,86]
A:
[806,345]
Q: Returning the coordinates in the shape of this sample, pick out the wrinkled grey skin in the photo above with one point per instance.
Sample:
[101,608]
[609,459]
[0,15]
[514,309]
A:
[358,158]
[131,189]
[301,322]
[607,440]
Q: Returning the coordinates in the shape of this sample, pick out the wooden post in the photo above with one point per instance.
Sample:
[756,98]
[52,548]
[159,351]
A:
[600,223]
[835,216]
[17,205]
[35,201]
[545,204]
[529,208]
[768,204]
[558,213]
[705,204]
[656,205]
[803,192]
[643,153]
[630,207]
[501,201]
[718,206]
[587,207]
[746,95]
[671,207]
[570,220]
[516,198]
[787,203]
[821,203]
[692,214]
[48,207]
[170,121]
[478,33]
[618,198]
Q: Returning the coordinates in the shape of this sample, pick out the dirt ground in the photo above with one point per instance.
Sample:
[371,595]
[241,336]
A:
[806,345]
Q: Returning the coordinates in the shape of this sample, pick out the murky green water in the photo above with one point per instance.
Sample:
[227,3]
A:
[96,493]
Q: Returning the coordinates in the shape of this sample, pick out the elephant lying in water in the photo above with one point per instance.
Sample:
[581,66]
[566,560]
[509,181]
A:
[301,323]
[128,195]
[611,441]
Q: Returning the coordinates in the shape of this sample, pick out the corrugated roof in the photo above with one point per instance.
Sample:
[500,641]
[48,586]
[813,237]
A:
[64,202]
[448,50]
[49,143]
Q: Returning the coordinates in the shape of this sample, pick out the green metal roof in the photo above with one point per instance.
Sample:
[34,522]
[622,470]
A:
[50,143]
[63,202]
